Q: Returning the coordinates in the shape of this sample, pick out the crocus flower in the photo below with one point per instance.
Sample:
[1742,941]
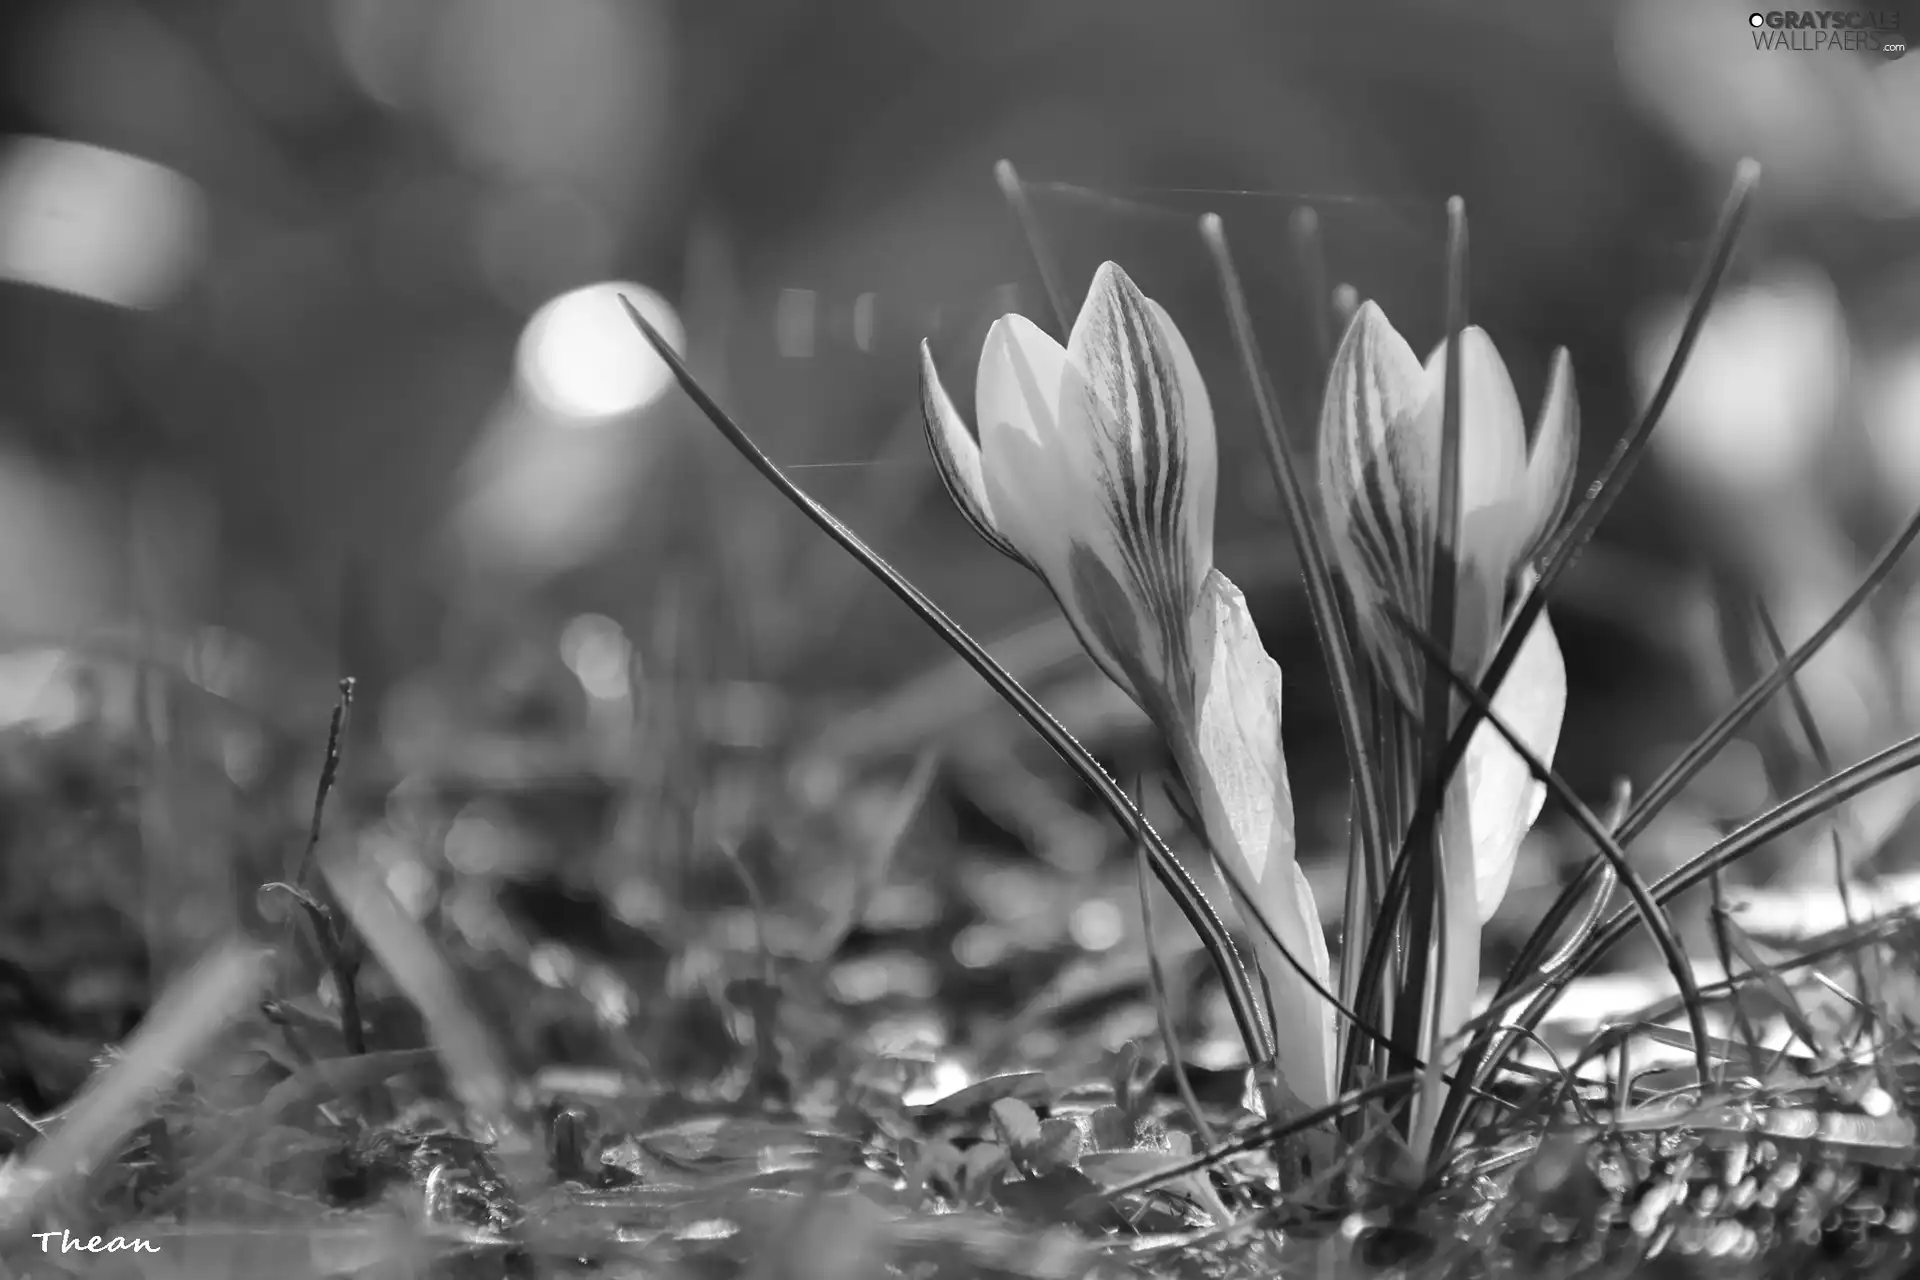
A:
[1095,468]
[1380,446]
[1380,471]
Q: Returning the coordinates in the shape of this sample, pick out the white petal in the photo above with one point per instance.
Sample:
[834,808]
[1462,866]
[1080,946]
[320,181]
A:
[1232,759]
[1552,456]
[956,455]
[1503,797]
[1493,494]
[1375,391]
[1154,439]
[1459,962]
[1035,418]
[1493,431]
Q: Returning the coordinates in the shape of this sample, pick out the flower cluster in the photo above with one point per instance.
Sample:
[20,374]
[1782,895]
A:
[1094,465]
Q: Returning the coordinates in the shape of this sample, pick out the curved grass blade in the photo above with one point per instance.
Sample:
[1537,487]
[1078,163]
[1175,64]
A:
[1817,744]
[1868,933]
[1193,903]
[1682,771]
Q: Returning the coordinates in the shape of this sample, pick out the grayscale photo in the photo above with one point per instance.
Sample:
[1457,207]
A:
[1029,639]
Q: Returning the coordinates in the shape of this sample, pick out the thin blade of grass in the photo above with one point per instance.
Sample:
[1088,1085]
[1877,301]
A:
[1330,622]
[1817,744]
[1870,933]
[1309,250]
[177,1030]
[1163,1014]
[1778,992]
[1435,935]
[475,1064]
[1742,650]
[1683,770]
[1170,1039]
[1603,896]
[336,949]
[1051,278]
[1193,903]
[1723,947]
[1606,487]
[329,774]
[879,857]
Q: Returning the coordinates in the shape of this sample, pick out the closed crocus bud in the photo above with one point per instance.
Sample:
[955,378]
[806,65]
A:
[1380,465]
[1095,468]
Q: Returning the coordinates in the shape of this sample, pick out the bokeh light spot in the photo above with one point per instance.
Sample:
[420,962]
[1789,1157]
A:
[581,357]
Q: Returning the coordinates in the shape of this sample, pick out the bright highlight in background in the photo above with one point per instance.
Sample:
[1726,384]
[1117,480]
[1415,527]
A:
[581,357]
[97,223]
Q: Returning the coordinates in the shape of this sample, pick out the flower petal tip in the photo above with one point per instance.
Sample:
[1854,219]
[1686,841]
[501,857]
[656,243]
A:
[956,455]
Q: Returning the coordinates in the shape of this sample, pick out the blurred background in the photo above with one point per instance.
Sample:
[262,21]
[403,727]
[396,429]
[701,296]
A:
[310,366]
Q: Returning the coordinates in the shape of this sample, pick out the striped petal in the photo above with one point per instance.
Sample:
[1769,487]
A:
[1098,466]
[956,455]
[1503,797]
[1231,757]
[1155,443]
[1375,389]
[1380,463]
